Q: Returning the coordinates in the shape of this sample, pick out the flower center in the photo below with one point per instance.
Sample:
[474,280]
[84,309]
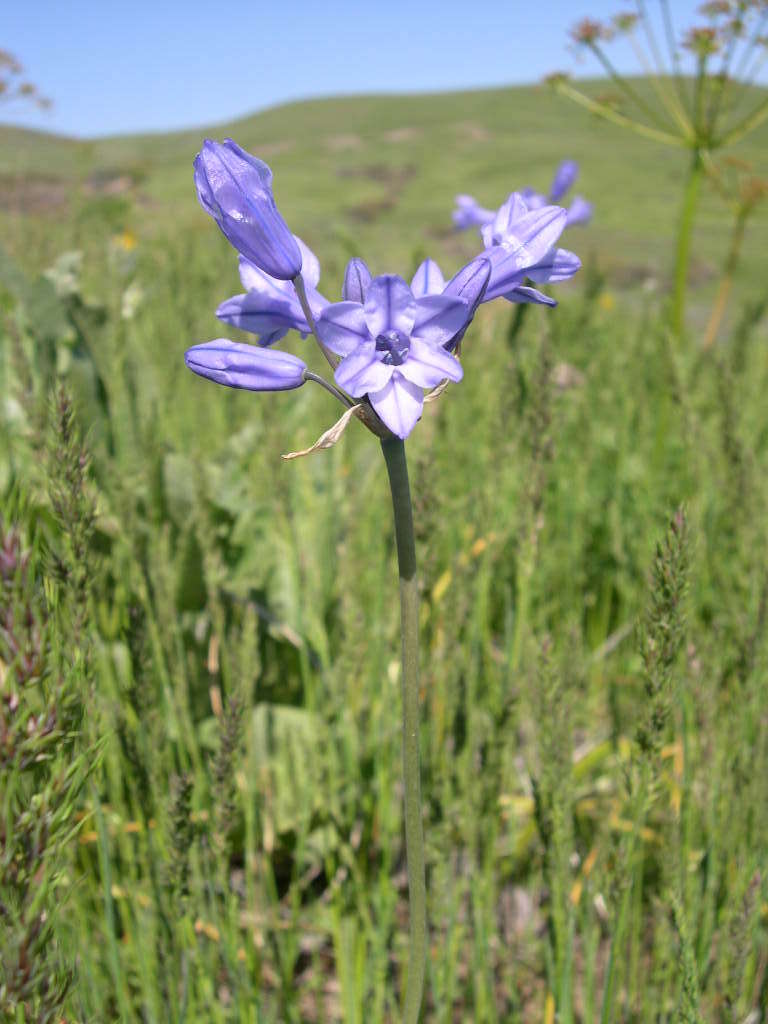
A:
[394,346]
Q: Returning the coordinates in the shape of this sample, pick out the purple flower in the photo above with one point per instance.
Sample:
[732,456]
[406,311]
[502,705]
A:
[579,212]
[245,366]
[235,188]
[393,346]
[520,244]
[270,307]
[470,214]
[469,284]
[564,180]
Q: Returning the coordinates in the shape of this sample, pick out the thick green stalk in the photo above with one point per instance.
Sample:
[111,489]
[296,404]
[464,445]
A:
[397,468]
[685,234]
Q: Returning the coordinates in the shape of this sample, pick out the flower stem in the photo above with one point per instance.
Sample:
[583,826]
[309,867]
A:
[301,295]
[726,281]
[685,232]
[397,468]
[317,379]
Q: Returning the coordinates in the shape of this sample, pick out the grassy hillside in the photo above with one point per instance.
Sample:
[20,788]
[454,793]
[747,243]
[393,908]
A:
[382,170]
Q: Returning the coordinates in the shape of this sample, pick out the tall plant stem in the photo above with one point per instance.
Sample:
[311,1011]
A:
[685,233]
[726,281]
[397,468]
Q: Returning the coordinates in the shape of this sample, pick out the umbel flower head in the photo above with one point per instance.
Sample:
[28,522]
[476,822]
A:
[236,189]
[387,342]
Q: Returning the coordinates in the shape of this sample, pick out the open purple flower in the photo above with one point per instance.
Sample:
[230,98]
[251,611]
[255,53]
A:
[245,366]
[235,188]
[521,244]
[393,347]
[270,307]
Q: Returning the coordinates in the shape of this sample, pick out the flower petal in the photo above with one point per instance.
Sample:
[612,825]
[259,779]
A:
[579,212]
[310,265]
[357,277]
[342,327]
[398,405]
[511,261]
[428,364]
[252,313]
[508,215]
[469,213]
[531,237]
[362,371]
[470,282]
[533,200]
[564,179]
[389,305]
[439,318]
[525,294]
[558,265]
[245,366]
[255,279]
[428,280]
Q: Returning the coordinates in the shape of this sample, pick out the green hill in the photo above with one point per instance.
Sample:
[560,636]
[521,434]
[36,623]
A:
[382,171]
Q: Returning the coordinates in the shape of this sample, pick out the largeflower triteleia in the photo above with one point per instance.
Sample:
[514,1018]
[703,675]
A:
[521,244]
[270,307]
[235,188]
[469,284]
[469,213]
[393,347]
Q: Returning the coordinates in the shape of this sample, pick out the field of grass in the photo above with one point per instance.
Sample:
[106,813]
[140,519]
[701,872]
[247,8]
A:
[199,652]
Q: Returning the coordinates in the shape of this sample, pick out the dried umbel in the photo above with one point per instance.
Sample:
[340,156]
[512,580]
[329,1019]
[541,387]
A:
[12,87]
[698,99]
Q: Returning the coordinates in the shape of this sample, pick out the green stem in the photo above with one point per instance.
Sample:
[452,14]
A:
[609,114]
[685,233]
[726,281]
[397,468]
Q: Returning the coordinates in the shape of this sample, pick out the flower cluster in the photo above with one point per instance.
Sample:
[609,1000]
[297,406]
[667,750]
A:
[469,213]
[386,341]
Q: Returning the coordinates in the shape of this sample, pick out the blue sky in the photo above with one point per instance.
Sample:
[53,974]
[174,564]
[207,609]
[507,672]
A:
[112,66]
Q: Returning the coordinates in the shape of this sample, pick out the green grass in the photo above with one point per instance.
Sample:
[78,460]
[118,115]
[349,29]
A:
[238,855]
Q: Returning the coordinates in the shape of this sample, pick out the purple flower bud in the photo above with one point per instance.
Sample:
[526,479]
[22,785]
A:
[245,366]
[357,277]
[235,188]
[565,176]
